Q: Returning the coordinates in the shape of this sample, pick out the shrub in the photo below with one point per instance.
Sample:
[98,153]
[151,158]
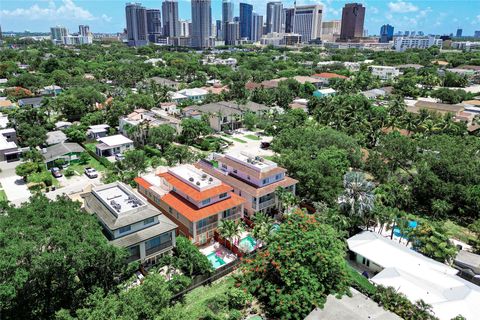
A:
[69,172]
[238,299]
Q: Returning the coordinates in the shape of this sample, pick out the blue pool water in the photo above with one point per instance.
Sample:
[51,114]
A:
[411,225]
[249,242]
[216,262]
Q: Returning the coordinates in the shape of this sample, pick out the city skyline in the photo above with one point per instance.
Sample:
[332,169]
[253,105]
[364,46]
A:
[109,16]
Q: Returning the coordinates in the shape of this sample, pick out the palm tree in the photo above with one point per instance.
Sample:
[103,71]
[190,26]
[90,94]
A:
[358,198]
[286,200]
[230,229]
[262,228]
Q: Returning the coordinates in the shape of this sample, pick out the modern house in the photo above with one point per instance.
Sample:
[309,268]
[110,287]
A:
[109,146]
[253,178]
[98,131]
[320,93]
[193,199]
[195,95]
[392,264]
[52,90]
[227,115]
[69,152]
[9,151]
[384,72]
[130,222]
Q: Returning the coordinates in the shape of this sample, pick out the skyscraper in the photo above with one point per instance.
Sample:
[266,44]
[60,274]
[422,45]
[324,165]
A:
[386,33]
[353,16]
[231,33]
[246,15]
[274,16]
[184,28]
[154,24]
[58,33]
[331,30]
[227,11]
[201,23]
[218,26]
[83,30]
[257,27]
[171,25]
[287,19]
[459,32]
[136,16]
[308,22]
[476,34]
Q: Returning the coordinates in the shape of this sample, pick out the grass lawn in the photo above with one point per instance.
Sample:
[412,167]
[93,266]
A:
[252,137]
[91,146]
[3,196]
[458,232]
[360,282]
[271,158]
[196,300]
[92,163]
[238,140]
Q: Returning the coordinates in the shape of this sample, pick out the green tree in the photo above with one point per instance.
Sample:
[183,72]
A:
[230,230]
[25,169]
[433,242]
[290,277]
[178,154]
[191,261]
[192,129]
[76,133]
[54,255]
[358,198]
[161,136]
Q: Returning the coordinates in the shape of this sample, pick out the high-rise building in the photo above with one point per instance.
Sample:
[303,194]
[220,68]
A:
[171,24]
[246,15]
[459,32]
[386,33]
[136,16]
[154,24]
[287,19]
[185,28]
[83,30]
[274,16]
[201,23]
[476,34]
[353,17]
[308,22]
[227,11]
[406,33]
[331,30]
[218,27]
[57,34]
[257,27]
[231,33]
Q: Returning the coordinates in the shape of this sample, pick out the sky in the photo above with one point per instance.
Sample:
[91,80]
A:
[429,16]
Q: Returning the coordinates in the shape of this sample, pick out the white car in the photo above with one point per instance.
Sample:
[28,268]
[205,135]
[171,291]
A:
[91,173]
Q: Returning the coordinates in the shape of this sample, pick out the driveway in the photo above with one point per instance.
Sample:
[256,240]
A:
[15,189]
[248,145]
[73,185]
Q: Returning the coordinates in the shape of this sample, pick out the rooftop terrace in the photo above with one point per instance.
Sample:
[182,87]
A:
[118,199]
[256,163]
[195,177]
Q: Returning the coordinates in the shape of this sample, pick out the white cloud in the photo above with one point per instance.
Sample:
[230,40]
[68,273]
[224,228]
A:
[67,10]
[373,10]
[402,7]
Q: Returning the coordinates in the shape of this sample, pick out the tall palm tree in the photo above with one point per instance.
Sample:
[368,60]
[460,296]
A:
[263,227]
[230,230]
[286,200]
[358,198]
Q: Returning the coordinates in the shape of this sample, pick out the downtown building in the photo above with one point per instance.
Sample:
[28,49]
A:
[331,30]
[287,19]
[171,24]
[201,24]
[386,33]
[274,17]
[231,33]
[136,16]
[353,18]
[60,36]
[193,199]
[257,27]
[227,16]
[246,21]
[154,25]
[308,22]
[404,43]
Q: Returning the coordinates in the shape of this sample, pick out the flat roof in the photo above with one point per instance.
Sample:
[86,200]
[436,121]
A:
[194,177]
[115,140]
[118,199]
[256,163]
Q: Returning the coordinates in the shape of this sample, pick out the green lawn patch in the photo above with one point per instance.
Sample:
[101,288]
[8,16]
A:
[360,283]
[3,195]
[197,299]
[238,140]
[92,163]
[91,146]
[252,137]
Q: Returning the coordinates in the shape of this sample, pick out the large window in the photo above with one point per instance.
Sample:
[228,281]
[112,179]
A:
[223,195]
[124,229]
[158,243]
[227,213]
[134,253]
[207,221]
[148,221]
[205,202]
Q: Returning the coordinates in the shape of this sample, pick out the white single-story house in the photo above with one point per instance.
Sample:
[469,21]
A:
[416,276]
[195,94]
[98,131]
[109,146]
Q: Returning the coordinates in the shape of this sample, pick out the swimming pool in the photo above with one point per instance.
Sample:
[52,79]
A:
[411,225]
[216,262]
[249,242]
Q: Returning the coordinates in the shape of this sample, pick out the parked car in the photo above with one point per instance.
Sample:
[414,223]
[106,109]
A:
[91,173]
[119,157]
[265,145]
[56,172]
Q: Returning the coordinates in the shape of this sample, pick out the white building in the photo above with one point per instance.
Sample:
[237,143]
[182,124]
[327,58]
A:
[331,30]
[308,22]
[130,222]
[9,150]
[416,276]
[109,146]
[403,43]
[98,131]
[384,72]
[195,94]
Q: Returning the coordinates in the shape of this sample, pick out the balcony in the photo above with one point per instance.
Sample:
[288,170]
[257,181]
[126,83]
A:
[158,248]
[265,204]
[207,228]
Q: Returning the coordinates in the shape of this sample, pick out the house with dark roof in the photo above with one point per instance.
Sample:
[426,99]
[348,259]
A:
[67,151]
[34,102]
[130,222]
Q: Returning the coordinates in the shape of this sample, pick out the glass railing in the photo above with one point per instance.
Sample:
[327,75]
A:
[160,247]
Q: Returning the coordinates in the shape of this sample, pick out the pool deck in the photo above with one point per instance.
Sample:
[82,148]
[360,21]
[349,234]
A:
[225,254]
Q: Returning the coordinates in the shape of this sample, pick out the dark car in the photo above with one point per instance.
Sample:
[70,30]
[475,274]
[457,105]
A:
[56,172]
[265,145]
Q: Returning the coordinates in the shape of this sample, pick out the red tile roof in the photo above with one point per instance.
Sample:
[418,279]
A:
[191,191]
[142,182]
[192,213]
[329,75]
